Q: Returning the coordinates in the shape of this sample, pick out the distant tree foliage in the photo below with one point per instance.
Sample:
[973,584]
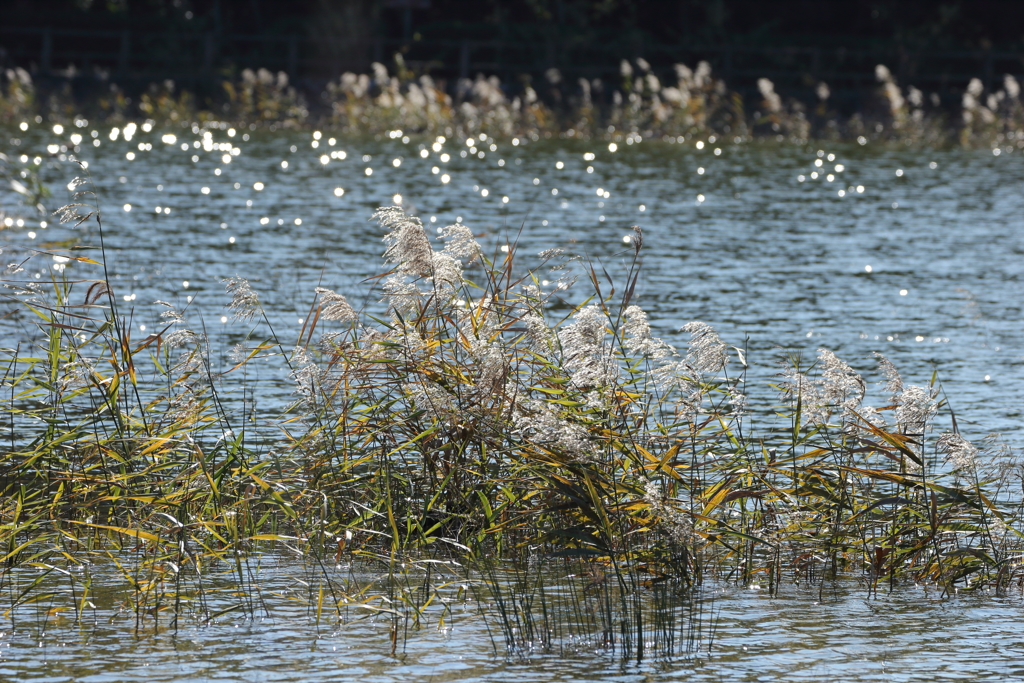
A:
[949,24]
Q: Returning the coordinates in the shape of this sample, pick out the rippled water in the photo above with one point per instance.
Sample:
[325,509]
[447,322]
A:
[925,265]
[799,635]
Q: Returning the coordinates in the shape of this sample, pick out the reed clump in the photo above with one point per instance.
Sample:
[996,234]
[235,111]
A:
[681,103]
[17,96]
[484,430]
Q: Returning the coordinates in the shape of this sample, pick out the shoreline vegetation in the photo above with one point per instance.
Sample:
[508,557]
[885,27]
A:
[680,103]
[501,423]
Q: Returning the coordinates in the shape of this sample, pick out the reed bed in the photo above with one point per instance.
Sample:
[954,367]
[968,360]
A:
[650,102]
[510,432]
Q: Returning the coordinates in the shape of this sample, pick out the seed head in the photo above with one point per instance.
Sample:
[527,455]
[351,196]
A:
[707,350]
[407,243]
[334,306]
[960,454]
[245,304]
[460,242]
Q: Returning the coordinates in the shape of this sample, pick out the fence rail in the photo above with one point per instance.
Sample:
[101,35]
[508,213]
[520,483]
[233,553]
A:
[131,55]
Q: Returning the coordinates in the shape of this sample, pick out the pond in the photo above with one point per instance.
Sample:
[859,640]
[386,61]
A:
[918,260]
[798,634]
[784,248]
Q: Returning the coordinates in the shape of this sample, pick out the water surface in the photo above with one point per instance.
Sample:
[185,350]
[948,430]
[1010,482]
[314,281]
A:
[924,265]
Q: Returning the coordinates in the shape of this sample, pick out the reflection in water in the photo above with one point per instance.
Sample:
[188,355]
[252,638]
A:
[799,634]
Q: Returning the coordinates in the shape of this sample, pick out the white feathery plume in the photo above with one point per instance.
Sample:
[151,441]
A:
[460,242]
[334,306]
[586,355]
[407,244]
[960,453]
[707,350]
[245,304]
[638,336]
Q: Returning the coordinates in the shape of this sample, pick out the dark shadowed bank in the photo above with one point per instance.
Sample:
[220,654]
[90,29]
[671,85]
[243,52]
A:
[687,103]
[909,71]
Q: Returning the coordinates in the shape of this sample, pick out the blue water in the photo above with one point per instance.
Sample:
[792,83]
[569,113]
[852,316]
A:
[925,266]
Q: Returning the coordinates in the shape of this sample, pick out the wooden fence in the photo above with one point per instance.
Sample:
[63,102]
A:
[127,56]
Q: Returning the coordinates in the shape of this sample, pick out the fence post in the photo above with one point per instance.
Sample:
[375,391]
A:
[464,59]
[47,54]
[293,57]
[988,69]
[209,51]
[123,56]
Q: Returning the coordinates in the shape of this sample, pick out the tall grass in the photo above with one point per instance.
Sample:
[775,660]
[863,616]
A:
[647,101]
[581,477]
